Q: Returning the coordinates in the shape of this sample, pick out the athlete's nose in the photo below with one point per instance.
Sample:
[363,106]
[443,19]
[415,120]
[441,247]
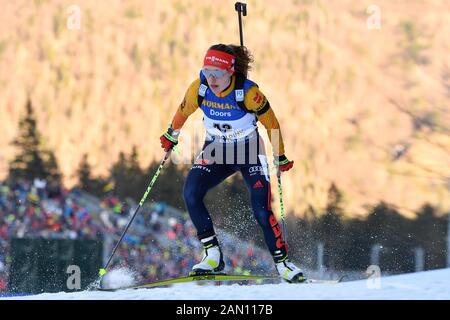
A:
[212,80]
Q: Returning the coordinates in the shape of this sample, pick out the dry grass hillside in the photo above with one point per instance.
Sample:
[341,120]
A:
[368,109]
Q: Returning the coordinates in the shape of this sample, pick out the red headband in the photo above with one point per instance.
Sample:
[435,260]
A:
[219,59]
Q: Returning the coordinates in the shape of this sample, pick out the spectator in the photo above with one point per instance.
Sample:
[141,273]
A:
[156,247]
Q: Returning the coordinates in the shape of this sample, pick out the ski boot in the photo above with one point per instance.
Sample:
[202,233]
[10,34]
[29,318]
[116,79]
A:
[212,262]
[286,269]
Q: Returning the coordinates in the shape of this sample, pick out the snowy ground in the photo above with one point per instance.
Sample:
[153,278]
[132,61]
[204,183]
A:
[429,285]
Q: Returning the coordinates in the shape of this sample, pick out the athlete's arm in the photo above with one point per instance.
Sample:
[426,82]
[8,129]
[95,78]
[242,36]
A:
[187,106]
[256,101]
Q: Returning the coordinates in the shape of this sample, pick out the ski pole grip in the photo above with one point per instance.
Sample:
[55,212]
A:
[241,8]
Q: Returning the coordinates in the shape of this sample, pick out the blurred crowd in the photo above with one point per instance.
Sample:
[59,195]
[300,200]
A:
[162,246]
[157,246]
[36,209]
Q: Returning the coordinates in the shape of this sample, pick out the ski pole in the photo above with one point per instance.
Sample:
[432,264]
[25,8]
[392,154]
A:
[280,193]
[241,8]
[102,271]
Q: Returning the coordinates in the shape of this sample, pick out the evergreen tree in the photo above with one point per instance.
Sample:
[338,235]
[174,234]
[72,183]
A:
[119,176]
[135,176]
[84,173]
[32,161]
[329,229]
[128,177]
[357,245]
[394,232]
[85,180]
[430,233]
[51,167]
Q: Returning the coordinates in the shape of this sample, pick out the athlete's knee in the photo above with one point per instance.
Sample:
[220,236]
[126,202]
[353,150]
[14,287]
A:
[261,209]
[262,217]
[189,194]
[192,194]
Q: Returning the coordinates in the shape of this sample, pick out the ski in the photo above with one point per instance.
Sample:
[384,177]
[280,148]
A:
[218,277]
[325,281]
[204,277]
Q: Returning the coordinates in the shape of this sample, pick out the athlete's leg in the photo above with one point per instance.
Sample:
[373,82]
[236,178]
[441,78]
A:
[257,179]
[201,178]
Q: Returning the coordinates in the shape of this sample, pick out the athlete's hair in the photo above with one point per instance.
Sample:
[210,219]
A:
[243,57]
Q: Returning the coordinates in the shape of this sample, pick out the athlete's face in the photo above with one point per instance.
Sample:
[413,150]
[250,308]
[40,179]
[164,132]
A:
[218,79]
